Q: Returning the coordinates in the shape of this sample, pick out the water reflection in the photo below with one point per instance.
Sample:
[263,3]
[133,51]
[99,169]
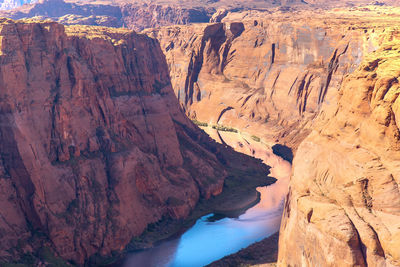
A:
[208,241]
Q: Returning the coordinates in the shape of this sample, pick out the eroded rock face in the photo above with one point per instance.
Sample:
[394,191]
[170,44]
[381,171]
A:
[94,146]
[151,16]
[267,75]
[343,208]
[136,16]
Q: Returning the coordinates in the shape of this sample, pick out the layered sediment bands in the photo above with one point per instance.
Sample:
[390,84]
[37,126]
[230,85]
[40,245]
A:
[69,13]
[343,208]
[94,146]
[267,75]
[136,16]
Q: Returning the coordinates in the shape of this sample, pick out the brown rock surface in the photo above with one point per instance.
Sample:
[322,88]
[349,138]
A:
[94,146]
[343,206]
[136,16]
[269,74]
[141,14]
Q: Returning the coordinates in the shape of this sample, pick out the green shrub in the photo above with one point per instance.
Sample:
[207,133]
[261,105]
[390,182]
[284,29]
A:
[255,138]
[199,123]
[224,128]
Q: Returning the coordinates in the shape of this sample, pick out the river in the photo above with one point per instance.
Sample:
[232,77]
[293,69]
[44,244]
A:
[207,241]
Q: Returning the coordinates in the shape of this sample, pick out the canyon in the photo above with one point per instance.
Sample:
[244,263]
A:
[293,75]
[127,15]
[142,14]
[95,148]
[268,75]
[329,78]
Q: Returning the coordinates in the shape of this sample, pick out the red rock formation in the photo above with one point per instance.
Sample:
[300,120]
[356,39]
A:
[136,16]
[151,16]
[343,208]
[267,75]
[94,146]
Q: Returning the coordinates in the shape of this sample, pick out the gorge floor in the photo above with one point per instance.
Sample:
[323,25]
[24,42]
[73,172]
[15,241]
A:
[207,240]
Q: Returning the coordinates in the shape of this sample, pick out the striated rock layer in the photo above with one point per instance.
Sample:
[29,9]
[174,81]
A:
[93,144]
[140,14]
[136,16]
[269,74]
[343,206]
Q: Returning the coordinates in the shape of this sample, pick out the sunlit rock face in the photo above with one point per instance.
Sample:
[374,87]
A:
[269,74]
[136,16]
[343,206]
[93,144]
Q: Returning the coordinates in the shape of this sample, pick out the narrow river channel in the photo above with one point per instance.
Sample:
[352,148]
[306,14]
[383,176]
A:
[208,241]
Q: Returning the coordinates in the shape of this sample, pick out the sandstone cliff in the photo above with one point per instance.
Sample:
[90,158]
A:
[271,77]
[269,74]
[141,14]
[94,146]
[136,16]
[343,206]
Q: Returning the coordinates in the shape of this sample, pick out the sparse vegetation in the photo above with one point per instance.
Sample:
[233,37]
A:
[224,128]
[256,138]
[46,255]
[199,123]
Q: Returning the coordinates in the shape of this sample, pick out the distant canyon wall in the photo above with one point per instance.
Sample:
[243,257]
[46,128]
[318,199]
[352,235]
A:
[267,76]
[134,16]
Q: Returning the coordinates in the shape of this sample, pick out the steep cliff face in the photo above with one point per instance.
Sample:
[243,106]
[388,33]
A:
[267,75]
[151,16]
[136,16]
[94,146]
[343,208]
[69,13]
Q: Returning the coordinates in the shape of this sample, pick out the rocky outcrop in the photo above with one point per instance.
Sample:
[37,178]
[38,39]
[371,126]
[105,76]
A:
[134,16]
[69,13]
[141,14]
[343,206]
[93,144]
[266,75]
[151,16]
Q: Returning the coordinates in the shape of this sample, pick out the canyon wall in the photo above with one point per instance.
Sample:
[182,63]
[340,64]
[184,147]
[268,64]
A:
[267,75]
[343,205]
[136,16]
[271,77]
[94,145]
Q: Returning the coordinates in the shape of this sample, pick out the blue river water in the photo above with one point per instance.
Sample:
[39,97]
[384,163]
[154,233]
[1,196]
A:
[207,241]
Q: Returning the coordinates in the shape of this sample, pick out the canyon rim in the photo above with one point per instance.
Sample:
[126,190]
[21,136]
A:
[124,122]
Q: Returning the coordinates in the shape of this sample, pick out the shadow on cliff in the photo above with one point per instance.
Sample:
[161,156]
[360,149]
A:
[283,151]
